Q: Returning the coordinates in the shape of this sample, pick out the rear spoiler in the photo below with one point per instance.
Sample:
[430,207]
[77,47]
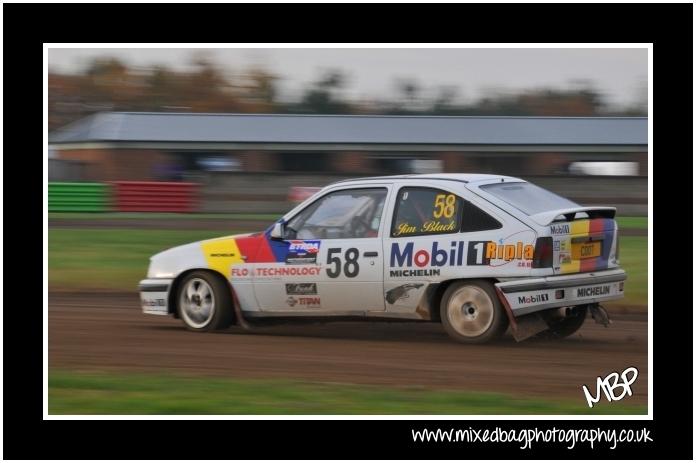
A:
[545,218]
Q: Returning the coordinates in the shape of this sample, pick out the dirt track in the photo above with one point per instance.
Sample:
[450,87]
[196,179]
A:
[108,332]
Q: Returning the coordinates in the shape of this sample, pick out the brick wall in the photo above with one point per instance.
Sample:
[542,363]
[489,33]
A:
[256,161]
[93,161]
[117,164]
[352,161]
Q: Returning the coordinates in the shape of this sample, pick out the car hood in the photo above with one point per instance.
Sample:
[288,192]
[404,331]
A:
[214,253]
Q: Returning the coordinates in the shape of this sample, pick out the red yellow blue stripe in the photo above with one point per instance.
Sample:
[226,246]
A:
[602,228]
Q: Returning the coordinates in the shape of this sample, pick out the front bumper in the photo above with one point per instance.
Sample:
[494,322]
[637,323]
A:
[154,295]
[535,294]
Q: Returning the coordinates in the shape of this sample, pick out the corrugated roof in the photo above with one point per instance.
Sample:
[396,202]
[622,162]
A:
[458,177]
[263,128]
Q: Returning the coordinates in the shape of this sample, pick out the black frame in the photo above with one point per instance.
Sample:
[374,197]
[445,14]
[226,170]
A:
[670,30]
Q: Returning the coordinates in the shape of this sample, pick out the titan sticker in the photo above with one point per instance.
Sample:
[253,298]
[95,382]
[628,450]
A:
[304,302]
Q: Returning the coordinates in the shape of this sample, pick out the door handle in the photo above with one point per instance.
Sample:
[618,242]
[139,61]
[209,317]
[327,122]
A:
[370,254]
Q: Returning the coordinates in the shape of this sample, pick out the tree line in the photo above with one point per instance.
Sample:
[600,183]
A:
[108,84]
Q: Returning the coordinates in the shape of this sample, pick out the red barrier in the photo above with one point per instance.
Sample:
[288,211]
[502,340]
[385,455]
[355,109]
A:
[155,196]
[298,194]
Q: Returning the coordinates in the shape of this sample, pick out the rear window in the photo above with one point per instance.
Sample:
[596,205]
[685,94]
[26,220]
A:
[476,220]
[528,197]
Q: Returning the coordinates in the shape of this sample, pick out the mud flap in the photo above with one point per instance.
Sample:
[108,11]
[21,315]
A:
[525,326]
[599,314]
[241,321]
[528,326]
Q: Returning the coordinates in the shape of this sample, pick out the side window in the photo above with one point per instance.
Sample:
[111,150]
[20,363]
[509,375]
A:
[474,219]
[426,211]
[341,214]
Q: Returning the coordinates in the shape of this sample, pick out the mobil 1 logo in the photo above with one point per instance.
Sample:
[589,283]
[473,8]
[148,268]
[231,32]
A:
[476,253]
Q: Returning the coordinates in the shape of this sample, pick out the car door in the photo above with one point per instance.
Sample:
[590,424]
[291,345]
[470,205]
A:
[441,233]
[422,245]
[333,261]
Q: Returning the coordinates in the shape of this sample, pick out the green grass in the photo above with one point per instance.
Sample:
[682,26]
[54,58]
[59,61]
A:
[117,259]
[623,222]
[633,255]
[109,259]
[116,393]
[632,222]
[160,215]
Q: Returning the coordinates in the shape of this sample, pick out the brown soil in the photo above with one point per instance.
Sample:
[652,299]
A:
[108,332]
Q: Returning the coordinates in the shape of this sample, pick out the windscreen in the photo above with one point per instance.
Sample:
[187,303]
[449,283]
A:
[528,197]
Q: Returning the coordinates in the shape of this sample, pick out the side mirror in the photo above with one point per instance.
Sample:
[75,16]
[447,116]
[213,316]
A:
[277,232]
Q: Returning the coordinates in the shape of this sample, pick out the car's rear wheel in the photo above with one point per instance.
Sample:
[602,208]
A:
[563,322]
[204,302]
[471,312]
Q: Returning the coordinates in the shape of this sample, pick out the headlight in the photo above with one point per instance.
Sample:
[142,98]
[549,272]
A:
[155,271]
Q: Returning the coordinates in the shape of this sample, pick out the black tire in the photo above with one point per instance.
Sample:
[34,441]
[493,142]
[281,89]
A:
[222,312]
[567,325]
[471,312]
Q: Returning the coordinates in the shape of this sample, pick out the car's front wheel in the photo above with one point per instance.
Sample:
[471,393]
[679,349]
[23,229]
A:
[204,302]
[471,312]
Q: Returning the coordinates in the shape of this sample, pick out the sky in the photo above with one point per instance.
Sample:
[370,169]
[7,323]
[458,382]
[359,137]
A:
[620,75]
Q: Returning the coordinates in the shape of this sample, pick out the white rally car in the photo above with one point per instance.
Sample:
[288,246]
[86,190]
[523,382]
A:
[477,253]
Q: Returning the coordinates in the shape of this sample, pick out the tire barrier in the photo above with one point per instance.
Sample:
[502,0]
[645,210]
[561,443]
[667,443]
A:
[155,197]
[78,197]
[298,194]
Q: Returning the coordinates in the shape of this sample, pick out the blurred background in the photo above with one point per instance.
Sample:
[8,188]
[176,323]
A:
[228,157]
[153,148]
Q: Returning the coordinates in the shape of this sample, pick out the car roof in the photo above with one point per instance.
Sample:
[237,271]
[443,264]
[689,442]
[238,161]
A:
[455,177]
